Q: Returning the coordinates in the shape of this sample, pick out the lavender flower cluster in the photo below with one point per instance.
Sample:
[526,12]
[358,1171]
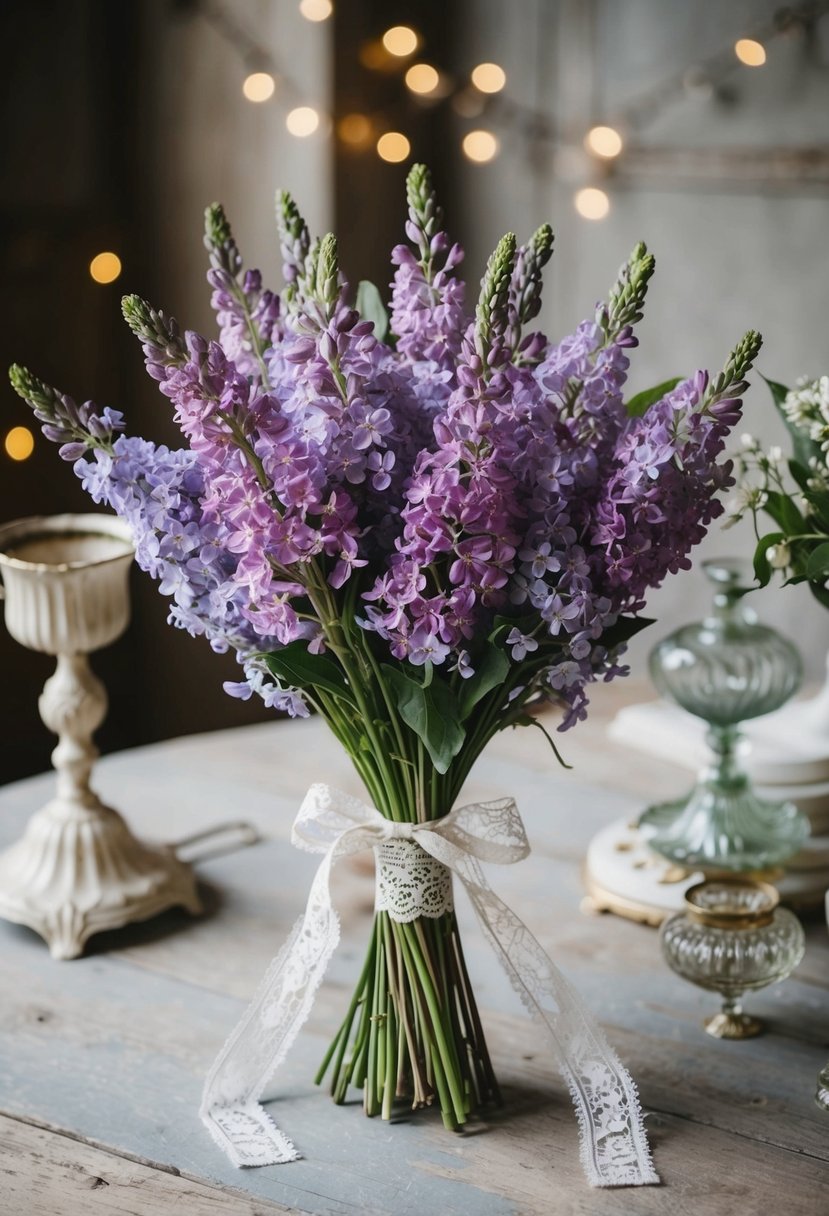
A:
[457,480]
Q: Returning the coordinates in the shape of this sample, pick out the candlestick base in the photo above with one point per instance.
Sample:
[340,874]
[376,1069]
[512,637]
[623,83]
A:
[78,870]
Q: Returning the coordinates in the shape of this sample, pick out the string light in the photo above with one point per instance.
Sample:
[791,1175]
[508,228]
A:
[259,86]
[749,52]
[591,203]
[356,130]
[422,78]
[603,141]
[480,146]
[489,78]
[401,40]
[19,443]
[105,267]
[469,100]
[393,147]
[302,121]
[316,10]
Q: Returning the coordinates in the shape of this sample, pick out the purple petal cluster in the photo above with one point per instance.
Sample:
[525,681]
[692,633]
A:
[462,480]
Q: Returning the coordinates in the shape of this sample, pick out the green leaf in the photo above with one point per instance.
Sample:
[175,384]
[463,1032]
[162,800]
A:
[625,628]
[370,306]
[817,567]
[639,404]
[762,567]
[784,512]
[296,666]
[432,713]
[490,671]
[820,593]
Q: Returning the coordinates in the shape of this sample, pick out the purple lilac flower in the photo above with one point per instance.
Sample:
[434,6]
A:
[461,472]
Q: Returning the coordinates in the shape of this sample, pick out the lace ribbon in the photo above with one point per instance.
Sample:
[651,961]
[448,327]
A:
[614,1147]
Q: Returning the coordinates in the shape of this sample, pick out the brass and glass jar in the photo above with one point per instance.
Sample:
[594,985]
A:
[732,938]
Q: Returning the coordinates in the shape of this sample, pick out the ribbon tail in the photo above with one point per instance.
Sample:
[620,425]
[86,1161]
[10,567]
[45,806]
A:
[260,1042]
[613,1144]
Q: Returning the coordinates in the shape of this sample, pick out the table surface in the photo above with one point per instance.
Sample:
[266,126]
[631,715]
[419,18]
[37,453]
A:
[102,1059]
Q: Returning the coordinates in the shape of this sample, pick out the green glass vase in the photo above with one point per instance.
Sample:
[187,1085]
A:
[726,669]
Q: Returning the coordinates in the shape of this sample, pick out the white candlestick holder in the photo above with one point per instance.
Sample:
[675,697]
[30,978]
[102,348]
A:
[78,869]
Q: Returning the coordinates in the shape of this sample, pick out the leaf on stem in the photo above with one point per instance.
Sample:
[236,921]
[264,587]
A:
[817,567]
[762,565]
[490,671]
[370,306]
[625,628]
[642,402]
[432,713]
[296,666]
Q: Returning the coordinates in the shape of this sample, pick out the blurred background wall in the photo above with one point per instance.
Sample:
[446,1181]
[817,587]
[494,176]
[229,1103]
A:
[122,121]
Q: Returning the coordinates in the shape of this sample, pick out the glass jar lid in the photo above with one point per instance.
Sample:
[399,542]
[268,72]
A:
[731,903]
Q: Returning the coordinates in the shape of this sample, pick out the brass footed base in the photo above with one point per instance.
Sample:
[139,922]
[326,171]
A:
[733,1026]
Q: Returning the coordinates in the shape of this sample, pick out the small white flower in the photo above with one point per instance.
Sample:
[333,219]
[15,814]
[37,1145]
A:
[779,556]
[775,455]
[747,440]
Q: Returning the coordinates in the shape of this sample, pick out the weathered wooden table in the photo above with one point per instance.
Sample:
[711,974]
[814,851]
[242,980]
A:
[102,1059]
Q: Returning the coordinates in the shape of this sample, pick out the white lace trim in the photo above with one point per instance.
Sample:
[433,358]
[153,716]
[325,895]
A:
[614,1148]
[410,882]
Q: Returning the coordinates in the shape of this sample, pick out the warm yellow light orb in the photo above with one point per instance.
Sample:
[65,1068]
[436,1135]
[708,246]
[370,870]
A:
[422,78]
[316,10]
[749,52]
[259,86]
[393,147]
[603,141]
[591,203]
[302,121]
[480,146]
[489,78]
[105,267]
[356,130]
[19,443]
[400,40]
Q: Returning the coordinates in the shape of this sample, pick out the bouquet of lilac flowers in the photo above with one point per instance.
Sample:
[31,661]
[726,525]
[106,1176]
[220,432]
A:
[421,526]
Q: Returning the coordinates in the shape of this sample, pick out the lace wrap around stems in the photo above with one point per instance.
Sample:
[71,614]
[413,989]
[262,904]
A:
[410,882]
[614,1147]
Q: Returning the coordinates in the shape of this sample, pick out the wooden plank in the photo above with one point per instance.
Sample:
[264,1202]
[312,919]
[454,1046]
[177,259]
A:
[44,1173]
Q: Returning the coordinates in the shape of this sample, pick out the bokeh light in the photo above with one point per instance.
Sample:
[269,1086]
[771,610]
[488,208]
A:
[19,443]
[603,141]
[422,78]
[259,86]
[480,146]
[591,203]
[393,147]
[489,77]
[357,130]
[105,267]
[400,40]
[316,10]
[302,121]
[749,52]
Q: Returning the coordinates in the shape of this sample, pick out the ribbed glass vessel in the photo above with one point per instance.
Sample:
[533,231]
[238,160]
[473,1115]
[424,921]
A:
[732,938]
[726,669]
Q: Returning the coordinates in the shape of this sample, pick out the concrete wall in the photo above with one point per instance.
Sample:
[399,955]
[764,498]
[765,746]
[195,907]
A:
[729,257]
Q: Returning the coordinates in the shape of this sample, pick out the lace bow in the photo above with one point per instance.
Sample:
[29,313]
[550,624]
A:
[613,1144]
